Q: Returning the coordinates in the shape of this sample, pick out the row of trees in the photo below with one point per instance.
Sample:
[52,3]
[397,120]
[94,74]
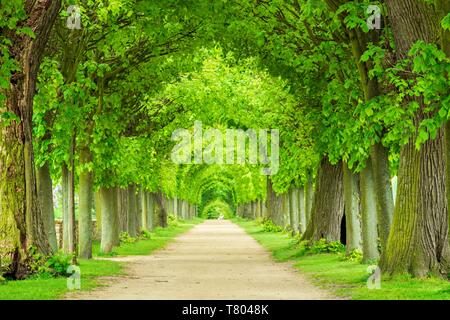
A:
[94,109]
[378,100]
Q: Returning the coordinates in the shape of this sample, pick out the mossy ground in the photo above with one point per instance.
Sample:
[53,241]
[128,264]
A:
[39,288]
[347,279]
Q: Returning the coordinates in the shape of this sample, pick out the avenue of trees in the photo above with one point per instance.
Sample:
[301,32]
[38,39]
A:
[362,111]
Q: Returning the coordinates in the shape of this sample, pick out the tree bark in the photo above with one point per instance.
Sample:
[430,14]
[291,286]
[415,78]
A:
[309,198]
[352,210]
[161,210]
[109,219]
[294,214]
[150,211]
[98,211]
[139,210]
[383,190]
[85,195]
[132,211]
[45,191]
[418,239]
[22,223]
[443,8]
[369,214]
[328,204]
[302,210]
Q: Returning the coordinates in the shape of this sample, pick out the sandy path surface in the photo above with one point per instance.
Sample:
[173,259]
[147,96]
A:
[214,260]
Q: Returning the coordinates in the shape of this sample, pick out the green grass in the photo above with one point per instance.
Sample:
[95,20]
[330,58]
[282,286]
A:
[346,279]
[91,270]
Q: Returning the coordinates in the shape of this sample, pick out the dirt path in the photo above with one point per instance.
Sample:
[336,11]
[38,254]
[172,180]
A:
[214,260]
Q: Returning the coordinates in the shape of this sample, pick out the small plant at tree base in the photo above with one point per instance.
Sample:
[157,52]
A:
[353,255]
[124,237]
[172,220]
[269,226]
[324,246]
[49,266]
[144,234]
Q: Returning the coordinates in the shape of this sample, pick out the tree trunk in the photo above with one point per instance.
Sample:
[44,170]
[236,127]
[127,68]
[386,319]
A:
[132,211]
[294,214]
[161,210]
[45,191]
[274,205]
[418,239]
[85,195]
[309,198]
[65,207]
[302,211]
[22,220]
[286,209]
[352,210]
[98,211]
[443,9]
[383,189]
[109,219]
[328,204]
[139,210]
[150,211]
[369,214]
[122,207]
[69,245]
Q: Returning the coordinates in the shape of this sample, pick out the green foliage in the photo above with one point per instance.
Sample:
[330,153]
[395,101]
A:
[172,220]
[269,226]
[354,255]
[324,246]
[53,266]
[124,237]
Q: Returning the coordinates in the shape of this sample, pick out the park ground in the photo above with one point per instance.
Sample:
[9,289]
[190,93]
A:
[221,260]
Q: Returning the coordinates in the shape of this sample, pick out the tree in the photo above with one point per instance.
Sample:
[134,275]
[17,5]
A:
[22,215]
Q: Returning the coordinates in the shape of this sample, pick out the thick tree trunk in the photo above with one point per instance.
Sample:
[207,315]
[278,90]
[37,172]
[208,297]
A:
[70,245]
[109,219]
[294,214]
[65,207]
[144,205]
[309,198]
[443,9]
[139,211]
[369,214]
[274,205]
[418,239]
[286,209]
[150,211]
[122,209]
[161,210]
[85,195]
[328,204]
[383,190]
[21,224]
[98,211]
[45,191]
[302,210]
[352,210]
[132,211]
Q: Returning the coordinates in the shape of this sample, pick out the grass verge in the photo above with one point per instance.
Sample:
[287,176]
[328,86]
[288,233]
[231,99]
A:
[347,279]
[39,288]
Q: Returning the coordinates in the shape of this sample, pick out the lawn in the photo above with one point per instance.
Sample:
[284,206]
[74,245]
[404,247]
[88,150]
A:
[39,288]
[347,279]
